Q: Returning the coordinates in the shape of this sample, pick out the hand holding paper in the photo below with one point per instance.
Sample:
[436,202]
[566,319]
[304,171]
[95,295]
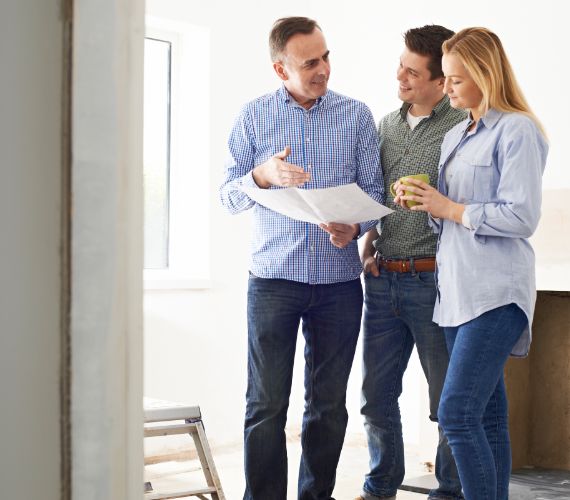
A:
[347,204]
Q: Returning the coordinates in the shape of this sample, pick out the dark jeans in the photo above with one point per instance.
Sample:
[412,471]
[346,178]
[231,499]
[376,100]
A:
[473,410]
[330,315]
[398,310]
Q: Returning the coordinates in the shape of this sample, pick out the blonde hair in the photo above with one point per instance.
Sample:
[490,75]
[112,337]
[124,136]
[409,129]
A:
[484,57]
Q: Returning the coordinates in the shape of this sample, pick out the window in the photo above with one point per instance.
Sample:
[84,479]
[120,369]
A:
[157,85]
[176,156]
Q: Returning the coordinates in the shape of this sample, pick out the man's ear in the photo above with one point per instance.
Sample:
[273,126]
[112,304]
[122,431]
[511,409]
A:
[441,81]
[280,70]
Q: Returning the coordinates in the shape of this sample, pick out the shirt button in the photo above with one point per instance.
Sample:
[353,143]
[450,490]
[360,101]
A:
[312,248]
[309,166]
[308,139]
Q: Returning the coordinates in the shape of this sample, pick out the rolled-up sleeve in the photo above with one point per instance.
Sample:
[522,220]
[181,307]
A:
[522,154]
[239,167]
[434,223]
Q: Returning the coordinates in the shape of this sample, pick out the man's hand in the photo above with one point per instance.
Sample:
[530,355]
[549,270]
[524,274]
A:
[368,251]
[277,172]
[369,265]
[341,234]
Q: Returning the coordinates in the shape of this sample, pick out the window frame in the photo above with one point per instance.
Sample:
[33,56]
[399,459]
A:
[189,180]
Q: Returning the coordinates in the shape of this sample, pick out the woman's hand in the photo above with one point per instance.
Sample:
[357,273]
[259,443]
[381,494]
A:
[429,200]
[399,188]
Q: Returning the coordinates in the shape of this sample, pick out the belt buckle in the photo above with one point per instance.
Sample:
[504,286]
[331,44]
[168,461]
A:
[403,266]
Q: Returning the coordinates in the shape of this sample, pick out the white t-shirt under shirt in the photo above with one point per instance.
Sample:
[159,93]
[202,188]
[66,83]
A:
[414,120]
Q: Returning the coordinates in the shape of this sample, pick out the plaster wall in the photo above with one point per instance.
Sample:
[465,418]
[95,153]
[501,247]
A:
[539,389]
[31,38]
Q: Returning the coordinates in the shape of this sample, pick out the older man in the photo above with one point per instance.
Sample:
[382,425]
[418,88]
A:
[308,136]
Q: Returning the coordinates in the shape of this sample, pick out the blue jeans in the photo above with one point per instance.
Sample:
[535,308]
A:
[330,315]
[398,310]
[473,410]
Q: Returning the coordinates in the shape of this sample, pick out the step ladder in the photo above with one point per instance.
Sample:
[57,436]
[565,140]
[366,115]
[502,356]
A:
[163,418]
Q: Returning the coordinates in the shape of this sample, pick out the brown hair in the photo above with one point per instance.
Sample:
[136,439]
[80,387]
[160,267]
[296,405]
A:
[427,41]
[284,28]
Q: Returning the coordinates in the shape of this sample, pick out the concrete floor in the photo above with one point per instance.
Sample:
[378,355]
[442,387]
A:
[183,475]
[169,476]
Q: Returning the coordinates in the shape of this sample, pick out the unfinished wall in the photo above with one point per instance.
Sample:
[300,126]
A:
[31,37]
[539,389]
[106,315]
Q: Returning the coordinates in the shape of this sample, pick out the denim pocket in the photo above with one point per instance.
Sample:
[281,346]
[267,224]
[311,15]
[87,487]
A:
[426,277]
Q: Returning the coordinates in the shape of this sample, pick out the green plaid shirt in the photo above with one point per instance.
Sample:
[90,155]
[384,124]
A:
[405,234]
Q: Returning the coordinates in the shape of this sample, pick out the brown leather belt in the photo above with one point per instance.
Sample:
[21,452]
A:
[426,264]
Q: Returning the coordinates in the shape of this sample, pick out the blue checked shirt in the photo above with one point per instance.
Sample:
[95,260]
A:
[336,141]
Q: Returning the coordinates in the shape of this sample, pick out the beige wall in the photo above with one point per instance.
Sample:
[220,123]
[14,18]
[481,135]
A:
[106,330]
[31,34]
[106,308]
[539,389]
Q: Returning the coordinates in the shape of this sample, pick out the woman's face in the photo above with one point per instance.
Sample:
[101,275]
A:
[459,86]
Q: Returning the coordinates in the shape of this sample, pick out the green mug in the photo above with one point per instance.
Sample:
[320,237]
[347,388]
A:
[419,177]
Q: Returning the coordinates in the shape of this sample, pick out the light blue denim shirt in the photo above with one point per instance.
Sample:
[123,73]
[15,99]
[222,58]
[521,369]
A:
[496,171]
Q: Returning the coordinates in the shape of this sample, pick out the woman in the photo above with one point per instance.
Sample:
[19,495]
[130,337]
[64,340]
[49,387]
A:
[486,207]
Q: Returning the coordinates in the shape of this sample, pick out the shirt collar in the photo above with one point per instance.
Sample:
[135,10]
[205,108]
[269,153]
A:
[489,119]
[441,106]
[287,98]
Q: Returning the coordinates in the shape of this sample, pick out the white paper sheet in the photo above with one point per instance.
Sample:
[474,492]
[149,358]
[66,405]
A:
[346,204]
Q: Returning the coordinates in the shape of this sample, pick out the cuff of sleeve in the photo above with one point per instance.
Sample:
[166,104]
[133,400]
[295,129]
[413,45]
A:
[475,215]
[434,223]
[465,220]
[365,227]
[247,180]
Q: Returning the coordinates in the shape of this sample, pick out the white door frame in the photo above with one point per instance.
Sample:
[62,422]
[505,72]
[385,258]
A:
[105,308]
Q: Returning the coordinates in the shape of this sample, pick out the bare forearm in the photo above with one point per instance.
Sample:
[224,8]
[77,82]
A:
[455,212]
[368,249]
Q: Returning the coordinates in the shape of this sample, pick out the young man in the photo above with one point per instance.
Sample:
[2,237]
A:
[300,272]
[399,265]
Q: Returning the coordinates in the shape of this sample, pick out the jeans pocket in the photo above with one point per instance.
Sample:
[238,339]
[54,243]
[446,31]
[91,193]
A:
[426,277]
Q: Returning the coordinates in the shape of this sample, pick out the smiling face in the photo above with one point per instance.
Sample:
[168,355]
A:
[416,84]
[459,86]
[304,67]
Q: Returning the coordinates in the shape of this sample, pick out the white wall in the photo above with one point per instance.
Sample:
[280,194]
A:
[31,35]
[106,305]
[195,341]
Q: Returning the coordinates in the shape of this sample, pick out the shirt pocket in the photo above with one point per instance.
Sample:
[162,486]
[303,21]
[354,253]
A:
[480,171]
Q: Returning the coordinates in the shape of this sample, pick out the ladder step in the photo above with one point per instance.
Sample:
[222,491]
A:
[168,429]
[155,495]
[172,413]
